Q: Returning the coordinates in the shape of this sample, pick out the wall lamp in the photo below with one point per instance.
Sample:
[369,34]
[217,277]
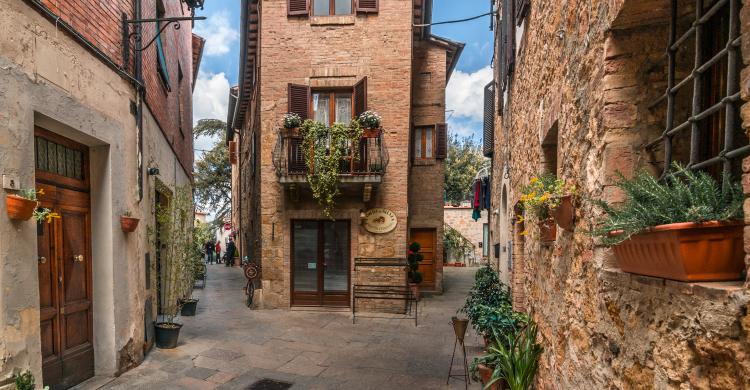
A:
[153,171]
[194,4]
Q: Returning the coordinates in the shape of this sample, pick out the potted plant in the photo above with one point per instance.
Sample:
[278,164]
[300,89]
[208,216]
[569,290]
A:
[21,206]
[175,235]
[26,381]
[687,228]
[547,197]
[128,223]
[370,121]
[291,124]
[414,277]
[516,358]
[487,302]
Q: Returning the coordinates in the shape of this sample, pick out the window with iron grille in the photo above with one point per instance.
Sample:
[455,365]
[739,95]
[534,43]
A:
[709,135]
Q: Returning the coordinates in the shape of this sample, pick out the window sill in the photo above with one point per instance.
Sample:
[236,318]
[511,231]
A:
[334,20]
[713,290]
[424,162]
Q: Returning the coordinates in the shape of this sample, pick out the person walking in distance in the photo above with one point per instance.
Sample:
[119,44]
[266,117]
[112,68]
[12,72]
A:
[209,246]
[229,256]
[218,251]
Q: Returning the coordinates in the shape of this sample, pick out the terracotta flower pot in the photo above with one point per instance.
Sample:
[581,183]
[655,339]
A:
[371,133]
[485,375]
[289,133]
[548,230]
[564,213]
[128,224]
[20,209]
[414,290]
[687,252]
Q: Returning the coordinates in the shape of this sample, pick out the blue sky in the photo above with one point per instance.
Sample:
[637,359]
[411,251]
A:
[463,96]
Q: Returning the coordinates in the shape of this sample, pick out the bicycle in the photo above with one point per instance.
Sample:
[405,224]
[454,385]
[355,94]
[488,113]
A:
[250,270]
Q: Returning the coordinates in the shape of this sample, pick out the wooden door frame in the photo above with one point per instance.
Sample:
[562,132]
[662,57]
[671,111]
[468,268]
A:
[433,231]
[321,294]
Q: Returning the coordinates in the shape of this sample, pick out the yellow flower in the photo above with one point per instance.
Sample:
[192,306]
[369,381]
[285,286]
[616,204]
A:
[534,179]
[524,233]
[544,197]
[52,216]
[41,191]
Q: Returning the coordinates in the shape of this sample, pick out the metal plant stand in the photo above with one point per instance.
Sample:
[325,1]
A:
[459,327]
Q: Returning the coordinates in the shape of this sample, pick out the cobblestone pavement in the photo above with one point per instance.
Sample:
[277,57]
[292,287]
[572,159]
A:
[228,346]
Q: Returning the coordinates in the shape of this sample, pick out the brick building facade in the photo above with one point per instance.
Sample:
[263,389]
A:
[85,120]
[577,92]
[368,55]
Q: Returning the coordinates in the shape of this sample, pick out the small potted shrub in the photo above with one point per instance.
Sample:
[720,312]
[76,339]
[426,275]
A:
[26,381]
[487,303]
[21,206]
[515,356]
[291,124]
[687,228]
[128,223]
[370,122]
[550,200]
[413,259]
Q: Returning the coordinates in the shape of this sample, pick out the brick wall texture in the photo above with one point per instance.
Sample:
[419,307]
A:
[336,52]
[100,22]
[592,69]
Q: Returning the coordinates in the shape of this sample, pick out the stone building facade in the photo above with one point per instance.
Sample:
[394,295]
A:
[78,296]
[460,218]
[577,93]
[366,54]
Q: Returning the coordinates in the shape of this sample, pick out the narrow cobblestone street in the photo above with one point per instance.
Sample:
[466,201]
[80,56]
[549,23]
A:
[228,346]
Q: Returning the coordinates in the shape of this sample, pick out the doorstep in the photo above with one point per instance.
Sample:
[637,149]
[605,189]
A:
[95,382]
[322,309]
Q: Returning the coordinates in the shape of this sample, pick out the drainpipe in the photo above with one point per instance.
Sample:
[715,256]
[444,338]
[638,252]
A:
[139,96]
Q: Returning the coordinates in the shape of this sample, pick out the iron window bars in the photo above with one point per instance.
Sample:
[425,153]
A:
[701,66]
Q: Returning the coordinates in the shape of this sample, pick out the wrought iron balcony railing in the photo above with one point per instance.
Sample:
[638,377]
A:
[364,162]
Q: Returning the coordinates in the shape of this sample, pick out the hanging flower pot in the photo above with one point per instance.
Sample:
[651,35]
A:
[371,133]
[564,213]
[687,251]
[290,133]
[128,224]
[548,230]
[19,208]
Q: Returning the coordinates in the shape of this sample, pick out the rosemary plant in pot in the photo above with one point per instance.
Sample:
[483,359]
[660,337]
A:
[688,227]
[173,235]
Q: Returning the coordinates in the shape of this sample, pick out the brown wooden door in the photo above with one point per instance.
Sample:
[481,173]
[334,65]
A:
[320,266]
[64,265]
[426,238]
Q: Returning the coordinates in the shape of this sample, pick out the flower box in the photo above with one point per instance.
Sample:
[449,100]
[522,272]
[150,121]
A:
[290,133]
[19,208]
[371,133]
[564,213]
[128,224]
[687,252]
[547,230]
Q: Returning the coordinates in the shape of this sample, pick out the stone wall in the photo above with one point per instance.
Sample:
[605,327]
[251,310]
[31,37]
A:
[591,70]
[460,219]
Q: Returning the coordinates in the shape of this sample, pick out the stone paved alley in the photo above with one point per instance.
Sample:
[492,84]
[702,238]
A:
[228,346]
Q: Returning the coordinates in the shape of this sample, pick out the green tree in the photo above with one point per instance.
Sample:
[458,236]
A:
[213,173]
[463,162]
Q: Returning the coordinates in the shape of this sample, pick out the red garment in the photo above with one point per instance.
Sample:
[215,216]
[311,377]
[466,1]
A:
[477,191]
[218,246]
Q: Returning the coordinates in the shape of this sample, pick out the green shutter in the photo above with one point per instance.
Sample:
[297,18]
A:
[162,60]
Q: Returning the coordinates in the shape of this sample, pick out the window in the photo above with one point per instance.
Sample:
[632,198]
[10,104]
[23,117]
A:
[485,240]
[332,106]
[710,132]
[161,59]
[424,142]
[549,151]
[332,7]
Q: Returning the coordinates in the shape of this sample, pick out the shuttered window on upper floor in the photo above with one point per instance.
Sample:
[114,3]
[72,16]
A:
[488,134]
[330,7]
[349,102]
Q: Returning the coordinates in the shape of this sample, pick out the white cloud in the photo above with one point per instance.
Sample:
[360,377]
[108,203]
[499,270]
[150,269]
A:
[465,93]
[465,128]
[210,96]
[218,33]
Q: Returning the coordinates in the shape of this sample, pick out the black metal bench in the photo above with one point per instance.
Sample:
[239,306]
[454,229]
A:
[384,291]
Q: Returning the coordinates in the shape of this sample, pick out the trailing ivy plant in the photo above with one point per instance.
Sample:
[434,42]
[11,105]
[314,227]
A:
[684,196]
[455,242]
[328,145]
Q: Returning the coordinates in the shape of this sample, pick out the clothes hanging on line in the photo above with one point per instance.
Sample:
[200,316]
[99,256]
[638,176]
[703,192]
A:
[481,198]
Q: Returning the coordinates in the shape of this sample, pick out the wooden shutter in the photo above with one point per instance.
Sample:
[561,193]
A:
[489,119]
[441,141]
[359,92]
[299,100]
[367,6]
[233,152]
[297,7]
[510,39]
[522,9]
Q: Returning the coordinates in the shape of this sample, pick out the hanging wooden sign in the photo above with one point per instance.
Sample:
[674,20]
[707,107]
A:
[379,220]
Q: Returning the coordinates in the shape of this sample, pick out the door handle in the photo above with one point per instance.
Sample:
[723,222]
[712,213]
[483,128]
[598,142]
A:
[78,258]
[42,259]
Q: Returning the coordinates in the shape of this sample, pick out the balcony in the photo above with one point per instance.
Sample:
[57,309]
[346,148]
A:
[360,171]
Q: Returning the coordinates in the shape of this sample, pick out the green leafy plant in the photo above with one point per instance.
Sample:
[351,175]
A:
[455,242]
[516,357]
[413,258]
[41,214]
[370,119]
[328,145]
[543,193]
[487,294]
[292,120]
[500,319]
[684,196]
[26,381]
